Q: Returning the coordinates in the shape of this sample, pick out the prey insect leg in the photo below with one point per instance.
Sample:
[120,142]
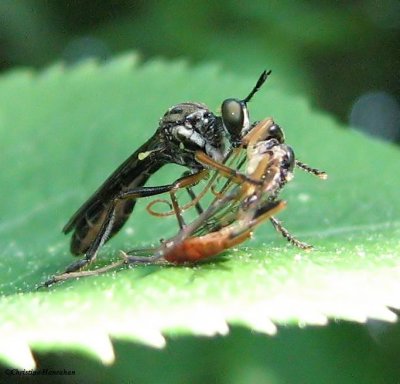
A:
[196,198]
[287,235]
[185,182]
[197,205]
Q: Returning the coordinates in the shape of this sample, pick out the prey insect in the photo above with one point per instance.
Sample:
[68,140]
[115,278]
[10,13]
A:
[184,130]
[232,217]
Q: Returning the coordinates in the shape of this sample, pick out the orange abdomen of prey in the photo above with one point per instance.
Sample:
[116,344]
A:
[198,248]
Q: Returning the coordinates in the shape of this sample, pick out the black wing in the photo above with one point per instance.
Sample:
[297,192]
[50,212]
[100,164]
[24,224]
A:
[133,172]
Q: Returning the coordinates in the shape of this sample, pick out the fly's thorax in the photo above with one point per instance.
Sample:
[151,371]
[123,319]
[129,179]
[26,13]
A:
[179,113]
[190,127]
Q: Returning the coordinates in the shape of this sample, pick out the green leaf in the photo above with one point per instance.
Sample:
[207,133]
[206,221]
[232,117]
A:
[65,129]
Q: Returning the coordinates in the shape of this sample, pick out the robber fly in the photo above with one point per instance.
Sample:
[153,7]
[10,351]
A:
[184,130]
[244,202]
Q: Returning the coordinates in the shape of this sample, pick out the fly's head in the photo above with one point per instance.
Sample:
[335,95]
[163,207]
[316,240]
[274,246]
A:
[235,114]
[235,118]
[189,127]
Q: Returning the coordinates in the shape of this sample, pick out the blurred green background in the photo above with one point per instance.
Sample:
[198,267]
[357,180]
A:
[342,56]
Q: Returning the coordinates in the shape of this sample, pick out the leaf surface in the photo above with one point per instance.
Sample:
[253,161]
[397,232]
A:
[64,130]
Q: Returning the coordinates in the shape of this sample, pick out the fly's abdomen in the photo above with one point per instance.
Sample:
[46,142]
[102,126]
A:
[89,226]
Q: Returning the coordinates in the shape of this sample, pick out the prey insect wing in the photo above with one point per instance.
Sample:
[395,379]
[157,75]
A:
[196,248]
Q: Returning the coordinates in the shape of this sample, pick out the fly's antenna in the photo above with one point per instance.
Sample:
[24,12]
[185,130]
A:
[316,172]
[258,85]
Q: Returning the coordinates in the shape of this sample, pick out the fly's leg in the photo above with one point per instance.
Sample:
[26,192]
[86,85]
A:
[109,220]
[72,275]
[99,271]
[231,173]
[288,236]
[193,197]
[195,200]
[186,181]
[220,170]
[135,193]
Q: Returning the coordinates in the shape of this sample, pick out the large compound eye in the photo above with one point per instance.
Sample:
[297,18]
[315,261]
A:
[290,159]
[275,132]
[233,116]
